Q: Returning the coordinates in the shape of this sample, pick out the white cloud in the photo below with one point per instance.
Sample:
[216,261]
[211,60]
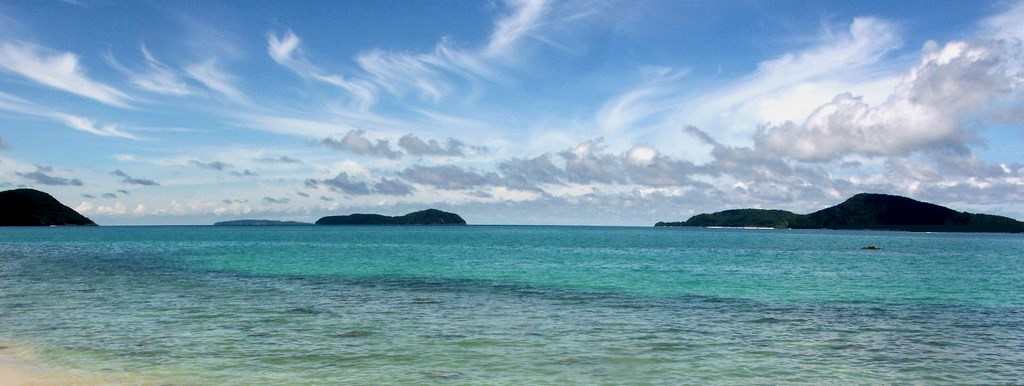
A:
[652,97]
[524,18]
[89,126]
[950,87]
[17,105]
[60,70]
[780,88]
[157,77]
[211,75]
[285,51]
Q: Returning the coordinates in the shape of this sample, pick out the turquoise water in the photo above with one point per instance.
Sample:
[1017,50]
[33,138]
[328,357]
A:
[516,305]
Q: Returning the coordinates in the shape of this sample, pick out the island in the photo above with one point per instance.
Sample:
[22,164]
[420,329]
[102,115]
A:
[30,207]
[423,217]
[862,211]
[256,223]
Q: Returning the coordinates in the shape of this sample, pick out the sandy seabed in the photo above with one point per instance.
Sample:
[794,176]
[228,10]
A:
[19,366]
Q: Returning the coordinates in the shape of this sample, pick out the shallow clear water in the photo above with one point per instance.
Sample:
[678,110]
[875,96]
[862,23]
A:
[516,305]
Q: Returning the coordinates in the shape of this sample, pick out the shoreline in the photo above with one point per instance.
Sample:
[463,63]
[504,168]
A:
[20,366]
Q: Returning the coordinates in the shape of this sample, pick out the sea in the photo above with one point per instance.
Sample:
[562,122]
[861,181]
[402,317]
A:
[515,305]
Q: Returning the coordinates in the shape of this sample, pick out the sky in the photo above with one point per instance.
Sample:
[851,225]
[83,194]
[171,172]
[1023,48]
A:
[595,112]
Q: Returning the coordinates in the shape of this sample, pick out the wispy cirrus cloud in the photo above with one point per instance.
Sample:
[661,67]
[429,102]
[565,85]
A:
[59,70]
[18,105]
[156,77]
[284,49]
[210,74]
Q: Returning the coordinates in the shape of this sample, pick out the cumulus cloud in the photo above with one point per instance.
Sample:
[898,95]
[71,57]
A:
[42,176]
[449,177]
[951,86]
[276,200]
[355,141]
[211,165]
[282,159]
[127,179]
[392,187]
[60,70]
[342,183]
[243,173]
[415,146]
[302,194]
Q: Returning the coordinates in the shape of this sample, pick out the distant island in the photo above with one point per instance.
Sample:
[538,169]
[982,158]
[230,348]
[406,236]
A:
[423,217]
[30,207]
[862,211]
[248,222]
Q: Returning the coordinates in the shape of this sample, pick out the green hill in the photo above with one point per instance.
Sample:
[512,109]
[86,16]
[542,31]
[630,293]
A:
[863,211]
[423,217]
[30,207]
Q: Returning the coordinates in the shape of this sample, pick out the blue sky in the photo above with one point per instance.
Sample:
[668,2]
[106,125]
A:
[521,111]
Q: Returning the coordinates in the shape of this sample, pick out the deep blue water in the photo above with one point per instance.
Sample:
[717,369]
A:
[516,305]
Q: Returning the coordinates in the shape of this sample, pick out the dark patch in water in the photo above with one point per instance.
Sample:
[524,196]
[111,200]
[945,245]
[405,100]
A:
[437,374]
[304,311]
[425,301]
[771,320]
[353,334]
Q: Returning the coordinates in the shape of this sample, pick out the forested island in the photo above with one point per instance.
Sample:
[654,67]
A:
[862,211]
[423,217]
[30,207]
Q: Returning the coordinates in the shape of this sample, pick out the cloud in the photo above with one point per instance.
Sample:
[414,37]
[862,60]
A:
[356,142]
[243,173]
[651,98]
[86,195]
[340,183]
[788,86]
[41,177]
[129,180]
[285,50]
[392,187]
[933,106]
[211,165]
[415,146]
[211,75]
[3,144]
[279,160]
[449,177]
[108,195]
[18,105]
[60,70]
[89,126]
[276,201]
[523,19]
[302,194]
[157,77]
